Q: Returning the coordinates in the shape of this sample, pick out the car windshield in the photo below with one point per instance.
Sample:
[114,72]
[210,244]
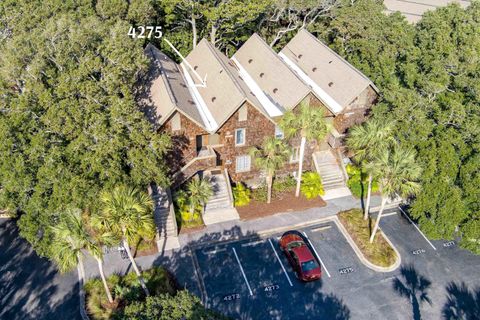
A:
[309,265]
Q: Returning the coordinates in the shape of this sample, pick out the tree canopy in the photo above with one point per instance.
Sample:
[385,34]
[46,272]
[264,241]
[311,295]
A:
[429,78]
[69,124]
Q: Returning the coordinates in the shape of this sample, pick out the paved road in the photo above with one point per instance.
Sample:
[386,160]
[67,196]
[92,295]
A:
[30,286]
[245,279]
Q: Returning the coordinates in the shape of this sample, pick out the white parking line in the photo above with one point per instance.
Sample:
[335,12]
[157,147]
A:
[389,214]
[253,243]
[243,272]
[281,264]
[215,251]
[316,253]
[417,228]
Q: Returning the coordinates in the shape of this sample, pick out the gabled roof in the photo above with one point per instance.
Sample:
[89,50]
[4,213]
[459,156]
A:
[334,81]
[167,90]
[225,91]
[269,75]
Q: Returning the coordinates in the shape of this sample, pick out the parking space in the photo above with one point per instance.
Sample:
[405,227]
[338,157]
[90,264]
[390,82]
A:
[339,260]
[252,278]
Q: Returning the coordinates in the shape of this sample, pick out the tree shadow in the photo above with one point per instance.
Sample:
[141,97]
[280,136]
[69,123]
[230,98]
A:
[462,303]
[30,286]
[414,287]
[211,276]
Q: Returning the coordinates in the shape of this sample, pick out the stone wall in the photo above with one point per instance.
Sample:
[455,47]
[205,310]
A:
[257,127]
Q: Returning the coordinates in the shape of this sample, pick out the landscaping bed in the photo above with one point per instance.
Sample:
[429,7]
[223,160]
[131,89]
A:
[125,290]
[282,203]
[379,252]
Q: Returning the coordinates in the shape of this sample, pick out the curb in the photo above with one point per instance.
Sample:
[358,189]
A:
[360,255]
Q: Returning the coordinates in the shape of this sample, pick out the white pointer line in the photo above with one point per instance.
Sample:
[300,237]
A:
[318,256]
[417,228]
[243,273]
[281,264]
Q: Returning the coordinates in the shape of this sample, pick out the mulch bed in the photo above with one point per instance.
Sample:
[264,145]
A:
[284,203]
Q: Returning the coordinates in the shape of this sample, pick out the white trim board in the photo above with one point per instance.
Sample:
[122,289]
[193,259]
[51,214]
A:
[333,105]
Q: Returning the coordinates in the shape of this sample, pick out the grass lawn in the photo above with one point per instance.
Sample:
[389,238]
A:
[125,289]
[379,252]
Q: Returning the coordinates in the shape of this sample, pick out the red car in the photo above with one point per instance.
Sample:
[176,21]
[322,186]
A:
[300,257]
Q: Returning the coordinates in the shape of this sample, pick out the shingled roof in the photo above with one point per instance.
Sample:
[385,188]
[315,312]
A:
[333,80]
[167,90]
[267,72]
[225,90]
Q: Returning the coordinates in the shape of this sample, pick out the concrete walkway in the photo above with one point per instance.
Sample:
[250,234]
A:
[225,231]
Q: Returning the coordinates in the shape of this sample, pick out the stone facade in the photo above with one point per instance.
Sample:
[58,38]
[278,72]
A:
[257,126]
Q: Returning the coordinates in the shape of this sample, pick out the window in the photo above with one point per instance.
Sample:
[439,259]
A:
[243,164]
[278,133]
[239,137]
[176,124]
[242,113]
[295,156]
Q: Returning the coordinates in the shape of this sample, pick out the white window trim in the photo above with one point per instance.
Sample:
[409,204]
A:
[249,164]
[279,130]
[244,137]
[292,160]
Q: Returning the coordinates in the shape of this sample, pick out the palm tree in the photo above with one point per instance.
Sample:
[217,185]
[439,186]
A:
[308,123]
[126,215]
[397,173]
[70,238]
[200,190]
[271,157]
[366,141]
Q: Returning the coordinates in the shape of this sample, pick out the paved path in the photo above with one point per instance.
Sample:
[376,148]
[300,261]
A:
[30,286]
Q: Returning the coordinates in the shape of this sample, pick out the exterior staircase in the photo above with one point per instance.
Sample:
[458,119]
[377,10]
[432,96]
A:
[333,179]
[220,207]
[164,216]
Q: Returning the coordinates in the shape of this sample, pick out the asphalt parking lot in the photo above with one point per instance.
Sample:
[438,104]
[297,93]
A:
[252,279]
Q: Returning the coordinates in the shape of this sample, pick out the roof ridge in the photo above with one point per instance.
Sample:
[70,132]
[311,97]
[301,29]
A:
[338,56]
[232,77]
[279,59]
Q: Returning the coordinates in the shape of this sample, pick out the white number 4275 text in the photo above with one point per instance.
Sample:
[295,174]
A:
[142,32]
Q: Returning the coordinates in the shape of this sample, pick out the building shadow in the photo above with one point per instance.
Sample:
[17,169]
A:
[211,276]
[462,303]
[414,287]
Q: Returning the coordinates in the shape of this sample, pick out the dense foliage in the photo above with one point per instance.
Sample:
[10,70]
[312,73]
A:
[241,195]
[126,291]
[358,181]
[69,124]
[312,185]
[429,77]
[182,306]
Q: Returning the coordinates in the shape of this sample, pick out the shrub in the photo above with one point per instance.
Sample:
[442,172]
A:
[281,185]
[126,290]
[311,185]
[241,195]
[184,217]
[358,181]
[166,307]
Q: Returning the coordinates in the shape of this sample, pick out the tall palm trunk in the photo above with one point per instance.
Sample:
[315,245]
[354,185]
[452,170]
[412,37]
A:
[300,165]
[81,282]
[269,187]
[369,194]
[135,267]
[104,280]
[384,201]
